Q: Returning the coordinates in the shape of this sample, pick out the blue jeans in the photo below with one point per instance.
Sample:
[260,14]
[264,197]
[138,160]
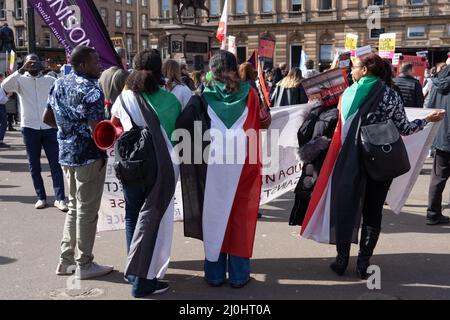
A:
[34,141]
[238,270]
[134,200]
[3,121]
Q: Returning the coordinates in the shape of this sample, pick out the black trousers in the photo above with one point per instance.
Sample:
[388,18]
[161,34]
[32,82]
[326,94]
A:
[439,177]
[375,196]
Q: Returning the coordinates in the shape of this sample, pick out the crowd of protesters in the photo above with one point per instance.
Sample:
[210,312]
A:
[59,116]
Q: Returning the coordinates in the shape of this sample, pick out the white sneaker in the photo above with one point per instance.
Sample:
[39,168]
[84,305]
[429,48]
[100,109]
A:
[65,270]
[61,205]
[41,204]
[92,270]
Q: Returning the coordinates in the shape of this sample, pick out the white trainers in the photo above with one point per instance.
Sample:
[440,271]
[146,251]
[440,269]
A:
[61,205]
[65,270]
[92,270]
[40,204]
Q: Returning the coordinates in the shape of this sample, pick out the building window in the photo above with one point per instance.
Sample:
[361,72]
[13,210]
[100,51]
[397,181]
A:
[144,20]
[296,5]
[377,2]
[128,1]
[267,6]
[416,32]
[18,9]
[296,53]
[144,43]
[47,40]
[130,43]
[416,2]
[118,1]
[104,15]
[129,19]
[20,36]
[118,19]
[241,54]
[215,7]
[325,4]
[240,6]
[144,3]
[165,7]
[375,33]
[2,10]
[326,52]
[448,30]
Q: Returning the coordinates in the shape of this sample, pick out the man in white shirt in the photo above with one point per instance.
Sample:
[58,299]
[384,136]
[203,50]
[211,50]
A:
[33,88]
[3,115]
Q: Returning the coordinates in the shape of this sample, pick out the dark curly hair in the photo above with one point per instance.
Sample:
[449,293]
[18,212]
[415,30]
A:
[224,68]
[374,64]
[147,75]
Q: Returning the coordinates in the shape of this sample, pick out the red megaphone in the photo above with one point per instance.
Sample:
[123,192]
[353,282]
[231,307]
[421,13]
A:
[106,134]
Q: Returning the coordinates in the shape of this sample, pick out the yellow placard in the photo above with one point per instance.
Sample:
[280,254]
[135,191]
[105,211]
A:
[351,41]
[387,45]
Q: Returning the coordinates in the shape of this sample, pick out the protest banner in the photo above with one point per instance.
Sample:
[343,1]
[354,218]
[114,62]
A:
[78,22]
[266,50]
[275,184]
[362,51]
[420,64]
[287,120]
[387,45]
[326,87]
[232,45]
[351,43]
[417,146]
[12,62]
[118,42]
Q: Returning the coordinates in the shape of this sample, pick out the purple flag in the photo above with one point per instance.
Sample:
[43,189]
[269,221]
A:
[77,22]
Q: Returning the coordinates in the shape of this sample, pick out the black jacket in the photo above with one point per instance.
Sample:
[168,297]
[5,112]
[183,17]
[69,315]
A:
[314,137]
[411,91]
[440,99]
[288,96]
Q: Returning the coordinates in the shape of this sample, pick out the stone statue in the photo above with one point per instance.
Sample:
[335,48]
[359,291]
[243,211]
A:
[6,39]
[183,5]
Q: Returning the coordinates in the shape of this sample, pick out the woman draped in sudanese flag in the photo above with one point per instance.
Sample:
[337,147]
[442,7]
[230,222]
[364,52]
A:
[344,192]
[149,206]
[221,198]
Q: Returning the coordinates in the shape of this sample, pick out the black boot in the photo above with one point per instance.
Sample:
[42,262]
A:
[369,238]
[341,263]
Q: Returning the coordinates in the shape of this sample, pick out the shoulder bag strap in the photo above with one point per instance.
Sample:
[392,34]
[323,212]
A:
[126,110]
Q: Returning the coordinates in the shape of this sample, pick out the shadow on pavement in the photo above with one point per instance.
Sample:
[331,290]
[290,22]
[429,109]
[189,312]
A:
[403,276]
[411,223]
[21,199]
[23,167]
[6,260]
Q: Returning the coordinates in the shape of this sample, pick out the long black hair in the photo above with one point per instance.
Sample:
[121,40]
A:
[147,73]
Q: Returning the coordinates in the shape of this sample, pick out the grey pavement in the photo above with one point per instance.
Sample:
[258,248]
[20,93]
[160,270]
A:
[414,258]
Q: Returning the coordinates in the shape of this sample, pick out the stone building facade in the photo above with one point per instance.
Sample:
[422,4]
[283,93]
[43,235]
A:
[315,26]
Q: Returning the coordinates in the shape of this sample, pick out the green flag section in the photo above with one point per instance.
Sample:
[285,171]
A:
[354,96]
[228,106]
[167,107]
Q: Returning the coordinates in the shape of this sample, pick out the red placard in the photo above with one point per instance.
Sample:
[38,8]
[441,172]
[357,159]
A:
[266,49]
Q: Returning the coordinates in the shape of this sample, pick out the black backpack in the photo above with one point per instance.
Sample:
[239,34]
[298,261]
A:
[135,159]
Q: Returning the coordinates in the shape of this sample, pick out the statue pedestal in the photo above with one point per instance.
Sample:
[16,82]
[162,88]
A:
[190,44]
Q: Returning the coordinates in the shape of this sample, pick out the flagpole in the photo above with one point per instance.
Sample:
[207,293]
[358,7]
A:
[223,26]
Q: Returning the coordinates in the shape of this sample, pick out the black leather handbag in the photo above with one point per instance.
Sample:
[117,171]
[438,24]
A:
[384,153]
